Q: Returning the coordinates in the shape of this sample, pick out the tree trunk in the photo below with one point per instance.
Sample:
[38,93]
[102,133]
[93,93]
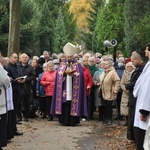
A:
[14,26]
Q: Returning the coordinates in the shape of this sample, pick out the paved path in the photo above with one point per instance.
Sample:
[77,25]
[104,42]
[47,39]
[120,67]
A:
[40,134]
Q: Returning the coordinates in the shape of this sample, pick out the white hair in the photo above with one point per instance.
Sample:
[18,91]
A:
[50,63]
[45,64]
[91,58]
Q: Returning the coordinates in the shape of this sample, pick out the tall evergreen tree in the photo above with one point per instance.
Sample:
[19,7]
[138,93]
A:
[4,26]
[110,24]
[134,10]
[142,30]
[45,19]
[27,34]
[60,36]
[44,23]
[92,18]
[70,23]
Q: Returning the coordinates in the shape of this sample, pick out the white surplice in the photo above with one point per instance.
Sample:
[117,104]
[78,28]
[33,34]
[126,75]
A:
[4,83]
[9,96]
[69,88]
[142,92]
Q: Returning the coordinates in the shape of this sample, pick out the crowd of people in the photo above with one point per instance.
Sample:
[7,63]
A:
[71,87]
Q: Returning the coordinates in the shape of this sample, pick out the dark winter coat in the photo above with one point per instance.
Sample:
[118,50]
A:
[13,72]
[40,89]
[135,75]
[28,71]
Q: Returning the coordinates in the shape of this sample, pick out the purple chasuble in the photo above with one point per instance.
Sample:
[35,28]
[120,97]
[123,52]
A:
[78,102]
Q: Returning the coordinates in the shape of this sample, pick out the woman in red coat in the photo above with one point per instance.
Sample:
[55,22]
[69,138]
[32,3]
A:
[88,82]
[48,81]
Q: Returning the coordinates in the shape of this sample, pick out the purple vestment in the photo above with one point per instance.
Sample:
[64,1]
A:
[78,102]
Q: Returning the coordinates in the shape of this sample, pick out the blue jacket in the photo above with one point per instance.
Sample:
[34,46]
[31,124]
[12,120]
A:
[40,90]
[120,71]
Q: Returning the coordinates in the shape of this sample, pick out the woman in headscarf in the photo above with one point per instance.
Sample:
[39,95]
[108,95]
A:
[129,68]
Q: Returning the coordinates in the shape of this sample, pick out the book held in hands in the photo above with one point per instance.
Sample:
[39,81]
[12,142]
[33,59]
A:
[21,78]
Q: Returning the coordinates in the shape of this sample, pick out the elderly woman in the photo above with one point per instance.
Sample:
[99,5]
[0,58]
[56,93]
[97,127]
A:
[48,81]
[92,67]
[40,92]
[56,63]
[37,70]
[110,85]
[129,68]
[88,84]
[99,101]
[120,67]
[62,57]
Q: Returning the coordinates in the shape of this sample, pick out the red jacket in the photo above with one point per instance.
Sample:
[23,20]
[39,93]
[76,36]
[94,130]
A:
[48,81]
[87,78]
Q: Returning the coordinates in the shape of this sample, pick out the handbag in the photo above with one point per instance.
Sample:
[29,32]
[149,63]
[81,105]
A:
[100,93]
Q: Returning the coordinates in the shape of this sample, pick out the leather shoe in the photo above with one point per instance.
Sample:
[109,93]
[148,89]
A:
[26,119]
[50,118]
[109,122]
[126,124]
[91,118]
[18,122]
[18,133]
[44,116]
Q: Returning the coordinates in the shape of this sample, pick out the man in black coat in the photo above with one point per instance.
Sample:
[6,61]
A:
[13,73]
[28,74]
[138,63]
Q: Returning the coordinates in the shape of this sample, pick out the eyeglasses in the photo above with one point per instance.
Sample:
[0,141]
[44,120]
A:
[15,57]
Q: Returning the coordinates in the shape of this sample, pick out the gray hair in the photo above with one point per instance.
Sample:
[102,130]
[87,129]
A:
[35,57]
[91,58]
[136,56]
[110,62]
[45,64]
[50,63]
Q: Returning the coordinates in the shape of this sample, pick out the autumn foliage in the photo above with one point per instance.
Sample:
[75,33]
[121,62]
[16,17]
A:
[80,10]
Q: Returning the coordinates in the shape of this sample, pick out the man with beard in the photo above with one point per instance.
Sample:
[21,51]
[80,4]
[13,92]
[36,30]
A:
[141,91]
[138,63]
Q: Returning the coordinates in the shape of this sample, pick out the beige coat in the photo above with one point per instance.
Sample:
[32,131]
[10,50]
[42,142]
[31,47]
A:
[125,95]
[109,83]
